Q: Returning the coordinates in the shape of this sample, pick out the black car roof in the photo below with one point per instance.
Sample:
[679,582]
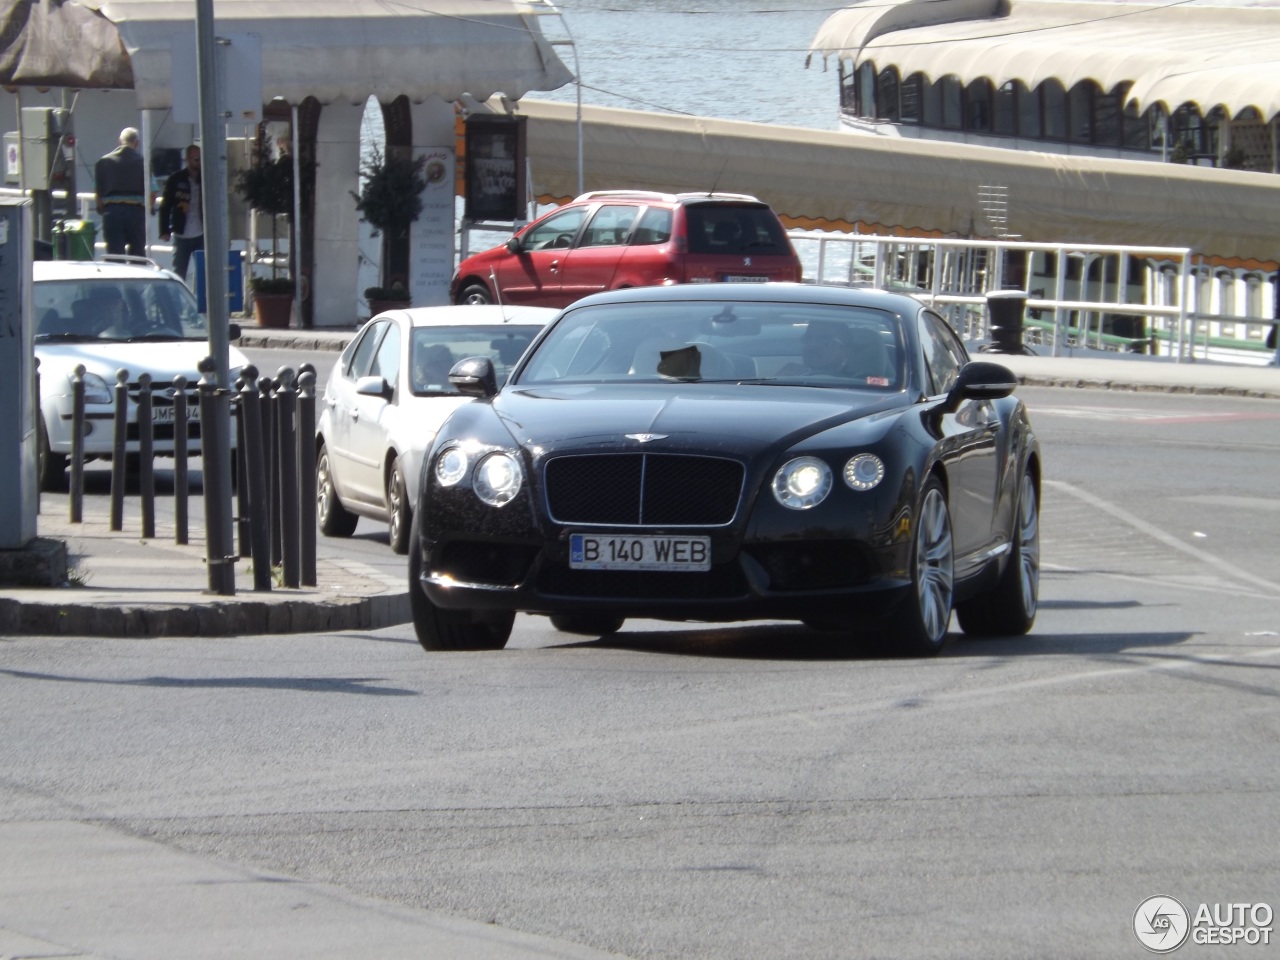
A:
[761,293]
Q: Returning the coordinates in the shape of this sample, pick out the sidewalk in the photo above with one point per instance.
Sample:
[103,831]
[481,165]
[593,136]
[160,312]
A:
[122,585]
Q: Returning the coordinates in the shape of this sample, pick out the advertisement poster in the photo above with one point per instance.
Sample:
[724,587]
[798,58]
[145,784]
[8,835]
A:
[431,237]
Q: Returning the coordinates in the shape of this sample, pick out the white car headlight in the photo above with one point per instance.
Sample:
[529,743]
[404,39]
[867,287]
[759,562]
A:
[802,483]
[498,479]
[451,466]
[96,390]
[864,471]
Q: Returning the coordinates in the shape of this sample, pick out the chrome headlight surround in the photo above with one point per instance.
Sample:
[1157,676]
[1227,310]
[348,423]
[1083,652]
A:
[498,478]
[451,466]
[802,483]
[864,472]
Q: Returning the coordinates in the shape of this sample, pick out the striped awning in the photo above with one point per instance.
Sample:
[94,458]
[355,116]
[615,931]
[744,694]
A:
[1212,53]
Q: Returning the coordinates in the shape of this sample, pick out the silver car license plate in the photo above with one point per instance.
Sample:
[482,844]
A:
[591,552]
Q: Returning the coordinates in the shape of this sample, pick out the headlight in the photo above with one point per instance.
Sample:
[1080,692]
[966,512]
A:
[864,471]
[498,479]
[451,466]
[96,390]
[802,483]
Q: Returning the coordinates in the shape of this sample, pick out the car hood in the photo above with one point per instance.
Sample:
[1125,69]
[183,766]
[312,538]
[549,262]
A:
[163,359]
[733,419]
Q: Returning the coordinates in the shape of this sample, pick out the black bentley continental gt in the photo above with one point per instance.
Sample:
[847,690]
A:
[727,452]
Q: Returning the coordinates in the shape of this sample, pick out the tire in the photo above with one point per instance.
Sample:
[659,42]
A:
[590,624]
[439,629]
[52,466]
[475,293]
[399,513]
[332,516]
[1009,609]
[919,626]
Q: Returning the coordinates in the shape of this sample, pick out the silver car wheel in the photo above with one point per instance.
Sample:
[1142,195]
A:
[934,565]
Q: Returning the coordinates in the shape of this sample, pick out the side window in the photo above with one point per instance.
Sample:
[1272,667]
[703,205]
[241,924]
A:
[362,356]
[944,354]
[558,230]
[655,227]
[610,226]
[386,362]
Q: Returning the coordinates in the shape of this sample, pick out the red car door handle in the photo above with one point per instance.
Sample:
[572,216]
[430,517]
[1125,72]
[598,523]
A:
[554,266]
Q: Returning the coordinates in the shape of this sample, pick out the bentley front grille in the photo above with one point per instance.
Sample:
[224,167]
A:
[643,489]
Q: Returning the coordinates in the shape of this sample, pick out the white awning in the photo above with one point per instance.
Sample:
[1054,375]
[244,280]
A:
[333,50]
[840,181]
[1207,52]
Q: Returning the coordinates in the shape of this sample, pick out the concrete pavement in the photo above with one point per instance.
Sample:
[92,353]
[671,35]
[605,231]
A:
[123,585]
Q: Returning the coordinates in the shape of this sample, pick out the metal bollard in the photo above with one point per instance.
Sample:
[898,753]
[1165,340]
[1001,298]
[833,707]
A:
[146,457]
[253,455]
[307,472]
[118,440]
[243,531]
[75,501]
[218,550]
[181,454]
[286,407]
[270,465]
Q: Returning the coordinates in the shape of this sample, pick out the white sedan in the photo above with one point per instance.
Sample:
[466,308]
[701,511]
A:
[109,316]
[387,396]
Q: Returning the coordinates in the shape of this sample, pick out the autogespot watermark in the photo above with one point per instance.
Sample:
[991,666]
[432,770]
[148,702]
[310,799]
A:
[1162,924]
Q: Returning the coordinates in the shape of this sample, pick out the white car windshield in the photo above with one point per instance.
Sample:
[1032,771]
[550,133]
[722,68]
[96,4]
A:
[102,308]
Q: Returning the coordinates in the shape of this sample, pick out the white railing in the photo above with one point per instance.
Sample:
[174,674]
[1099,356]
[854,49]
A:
[1089,290]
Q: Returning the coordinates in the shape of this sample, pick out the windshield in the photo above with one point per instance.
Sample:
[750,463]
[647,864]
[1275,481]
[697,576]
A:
[784,343]
[436,349]
[100,308]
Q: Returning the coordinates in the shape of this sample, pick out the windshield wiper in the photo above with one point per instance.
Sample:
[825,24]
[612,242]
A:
[65,337]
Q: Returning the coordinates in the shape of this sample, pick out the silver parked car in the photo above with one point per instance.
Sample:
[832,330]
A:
[387,396]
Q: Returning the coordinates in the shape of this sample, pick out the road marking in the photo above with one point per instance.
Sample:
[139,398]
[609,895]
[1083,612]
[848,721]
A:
[1124,516]
[1136,415]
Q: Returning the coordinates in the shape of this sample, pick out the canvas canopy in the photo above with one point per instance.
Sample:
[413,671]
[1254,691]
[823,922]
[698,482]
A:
[333,50]
[1213,53]
[838,181]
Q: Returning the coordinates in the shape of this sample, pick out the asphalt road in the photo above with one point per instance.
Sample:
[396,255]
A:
[752,791]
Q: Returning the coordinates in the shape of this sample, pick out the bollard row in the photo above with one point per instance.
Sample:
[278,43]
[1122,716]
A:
[273,468]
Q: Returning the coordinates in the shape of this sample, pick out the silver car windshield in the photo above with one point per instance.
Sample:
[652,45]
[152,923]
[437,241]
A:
[116,310]
[732,341]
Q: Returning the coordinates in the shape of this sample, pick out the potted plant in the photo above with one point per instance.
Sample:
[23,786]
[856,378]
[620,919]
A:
[267,186]
[390,200]
[386,298]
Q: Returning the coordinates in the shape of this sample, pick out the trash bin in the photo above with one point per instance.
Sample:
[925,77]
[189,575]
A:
[235,281]
[1005,310]
[74,239]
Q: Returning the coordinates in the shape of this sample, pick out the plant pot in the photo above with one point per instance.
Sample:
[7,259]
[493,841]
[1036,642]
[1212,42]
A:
[378,306]
[273,309]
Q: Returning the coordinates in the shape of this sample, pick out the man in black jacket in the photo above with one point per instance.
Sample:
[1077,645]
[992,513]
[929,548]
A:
[181,215]
[119,187]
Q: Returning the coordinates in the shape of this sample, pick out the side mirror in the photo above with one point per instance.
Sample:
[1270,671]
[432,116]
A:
[514,245]
[374,387]
[474,377]
[981,380]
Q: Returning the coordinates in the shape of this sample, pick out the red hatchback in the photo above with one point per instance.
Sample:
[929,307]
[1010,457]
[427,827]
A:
[612,239]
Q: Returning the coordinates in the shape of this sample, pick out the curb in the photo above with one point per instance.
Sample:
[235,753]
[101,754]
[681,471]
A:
[1135,386]
[214,618]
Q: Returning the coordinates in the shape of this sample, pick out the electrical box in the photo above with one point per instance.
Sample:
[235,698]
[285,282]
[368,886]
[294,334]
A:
[48,148]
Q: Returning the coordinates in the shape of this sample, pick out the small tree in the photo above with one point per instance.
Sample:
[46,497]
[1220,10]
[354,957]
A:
[390,200]
[267,186]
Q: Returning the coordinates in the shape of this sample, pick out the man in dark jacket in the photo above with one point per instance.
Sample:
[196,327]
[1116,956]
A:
[181,214]
[120,194]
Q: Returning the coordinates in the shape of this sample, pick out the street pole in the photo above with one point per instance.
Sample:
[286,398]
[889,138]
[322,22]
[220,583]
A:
[215,433]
